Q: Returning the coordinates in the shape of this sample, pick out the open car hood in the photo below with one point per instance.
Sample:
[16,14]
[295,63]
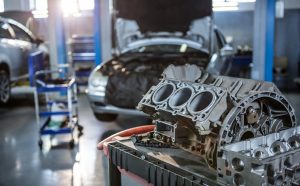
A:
[136,19]
[163,15]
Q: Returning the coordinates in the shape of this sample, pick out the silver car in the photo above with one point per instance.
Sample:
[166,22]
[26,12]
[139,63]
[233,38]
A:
[16,42]
[145,42]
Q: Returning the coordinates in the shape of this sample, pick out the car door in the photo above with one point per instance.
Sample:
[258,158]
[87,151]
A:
[25,44]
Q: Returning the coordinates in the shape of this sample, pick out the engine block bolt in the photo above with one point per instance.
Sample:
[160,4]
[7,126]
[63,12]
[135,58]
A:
[252,115]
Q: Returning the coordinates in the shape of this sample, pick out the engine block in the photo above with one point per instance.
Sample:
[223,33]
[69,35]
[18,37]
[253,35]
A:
[240,127]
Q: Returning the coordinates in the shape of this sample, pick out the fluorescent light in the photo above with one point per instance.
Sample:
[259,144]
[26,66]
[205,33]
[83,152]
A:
[242,1]
[225,6]
[86,4]
[41,5]
[69,7]
[223,9]
[1,5]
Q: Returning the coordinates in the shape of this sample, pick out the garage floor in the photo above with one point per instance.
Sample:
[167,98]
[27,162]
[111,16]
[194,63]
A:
[22,163]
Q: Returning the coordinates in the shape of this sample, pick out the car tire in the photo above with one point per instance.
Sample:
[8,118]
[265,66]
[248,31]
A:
[4,87]
[106,117]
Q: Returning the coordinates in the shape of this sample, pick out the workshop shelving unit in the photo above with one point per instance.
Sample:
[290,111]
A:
[83,58]
[60,90]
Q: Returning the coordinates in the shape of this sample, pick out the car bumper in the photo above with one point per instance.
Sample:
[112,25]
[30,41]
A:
[98,106]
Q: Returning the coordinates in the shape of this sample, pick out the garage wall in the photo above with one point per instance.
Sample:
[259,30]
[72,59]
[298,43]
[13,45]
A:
[236,24]
[80,25]
[239,25]
[288,42]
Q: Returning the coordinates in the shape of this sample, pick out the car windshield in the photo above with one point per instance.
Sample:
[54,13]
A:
[165,48]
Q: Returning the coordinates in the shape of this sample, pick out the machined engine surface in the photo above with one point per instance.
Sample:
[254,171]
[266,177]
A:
[242,128]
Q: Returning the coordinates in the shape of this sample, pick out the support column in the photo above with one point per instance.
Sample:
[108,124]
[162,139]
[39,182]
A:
[57,41]
[263,44]
[97,31]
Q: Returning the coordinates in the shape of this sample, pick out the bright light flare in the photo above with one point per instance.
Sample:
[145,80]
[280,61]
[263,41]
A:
[86,4]
[69,7]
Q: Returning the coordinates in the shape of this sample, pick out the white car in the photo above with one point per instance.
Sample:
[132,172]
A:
[16,42]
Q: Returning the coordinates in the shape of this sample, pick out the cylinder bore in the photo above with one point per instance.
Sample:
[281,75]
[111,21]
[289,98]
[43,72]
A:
[238,164]
[180,97]
[201,101]
[163,93]
[238,179]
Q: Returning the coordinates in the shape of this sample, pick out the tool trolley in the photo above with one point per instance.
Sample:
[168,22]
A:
[55,87]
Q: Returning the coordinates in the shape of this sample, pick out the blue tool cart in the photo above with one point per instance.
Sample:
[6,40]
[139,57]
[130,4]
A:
[59,90]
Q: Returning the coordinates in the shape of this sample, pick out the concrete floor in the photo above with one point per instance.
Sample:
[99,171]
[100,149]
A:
[22,163]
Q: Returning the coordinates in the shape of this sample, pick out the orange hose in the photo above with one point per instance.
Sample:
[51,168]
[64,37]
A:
[127,133]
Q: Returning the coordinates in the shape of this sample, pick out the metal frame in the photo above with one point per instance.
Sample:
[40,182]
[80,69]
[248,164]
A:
[67,91]
[97,31]
[270,34]
[264,25]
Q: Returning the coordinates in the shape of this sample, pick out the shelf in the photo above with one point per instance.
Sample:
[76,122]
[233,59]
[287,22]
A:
[83,57]
[66,130]
[44,114]
[83,73]
[47,131]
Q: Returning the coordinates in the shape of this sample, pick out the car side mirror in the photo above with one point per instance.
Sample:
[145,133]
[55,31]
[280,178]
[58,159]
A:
[226,51]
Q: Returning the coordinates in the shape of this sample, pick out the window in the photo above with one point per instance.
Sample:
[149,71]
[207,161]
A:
[72,7]
[1,5]
[67,5]
[86,4]
[4,30]
[41,5]
[21,34]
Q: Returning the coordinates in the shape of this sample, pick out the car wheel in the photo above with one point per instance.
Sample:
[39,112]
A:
[4,87]
[106,117]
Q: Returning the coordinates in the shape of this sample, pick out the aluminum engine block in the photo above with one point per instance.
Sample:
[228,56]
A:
[242,128]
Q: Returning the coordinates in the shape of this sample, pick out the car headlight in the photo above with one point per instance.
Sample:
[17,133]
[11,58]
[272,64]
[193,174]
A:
[97,80]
